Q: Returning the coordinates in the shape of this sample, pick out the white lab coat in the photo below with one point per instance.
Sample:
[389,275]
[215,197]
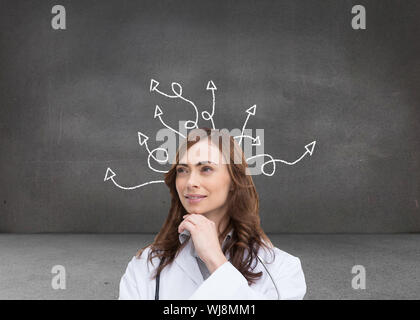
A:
[182,279]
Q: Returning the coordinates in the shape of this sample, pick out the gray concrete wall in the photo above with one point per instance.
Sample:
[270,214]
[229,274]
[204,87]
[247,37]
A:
[72,102]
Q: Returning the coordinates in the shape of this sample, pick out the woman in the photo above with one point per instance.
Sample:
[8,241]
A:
[211,245]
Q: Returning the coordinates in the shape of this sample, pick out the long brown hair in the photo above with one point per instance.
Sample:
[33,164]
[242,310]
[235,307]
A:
[243,210]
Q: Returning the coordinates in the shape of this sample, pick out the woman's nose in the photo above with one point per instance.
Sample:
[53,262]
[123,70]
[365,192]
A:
[193,180]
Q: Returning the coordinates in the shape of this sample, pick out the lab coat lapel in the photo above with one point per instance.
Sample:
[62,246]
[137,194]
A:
[188,263]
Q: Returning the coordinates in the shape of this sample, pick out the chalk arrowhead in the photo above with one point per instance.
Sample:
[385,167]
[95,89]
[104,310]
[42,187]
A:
[153,85]
[109,174]
[158,112]
[142,138]
[211,86]
[256,141]
[310,147]
[251,110]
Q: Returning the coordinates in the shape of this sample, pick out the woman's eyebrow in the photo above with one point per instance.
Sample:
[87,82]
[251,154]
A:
[197,164]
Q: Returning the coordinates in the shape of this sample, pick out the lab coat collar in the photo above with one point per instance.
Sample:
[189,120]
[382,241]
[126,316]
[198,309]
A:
[187,261]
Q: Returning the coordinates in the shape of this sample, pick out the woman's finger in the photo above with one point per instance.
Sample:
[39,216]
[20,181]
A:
[191,219]
[196,218]
[186,225]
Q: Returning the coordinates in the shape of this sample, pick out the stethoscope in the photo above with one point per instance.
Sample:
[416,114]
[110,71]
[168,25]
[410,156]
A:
[259,258]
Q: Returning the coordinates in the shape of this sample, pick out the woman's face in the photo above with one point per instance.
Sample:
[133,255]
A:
[203,180]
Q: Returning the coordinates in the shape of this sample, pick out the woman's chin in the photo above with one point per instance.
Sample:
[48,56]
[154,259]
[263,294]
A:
[194,212]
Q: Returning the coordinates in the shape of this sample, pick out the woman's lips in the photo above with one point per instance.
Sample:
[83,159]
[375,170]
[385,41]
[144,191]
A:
[194,199]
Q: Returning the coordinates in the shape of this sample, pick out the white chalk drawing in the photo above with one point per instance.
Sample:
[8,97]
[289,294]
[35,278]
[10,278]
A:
[255,141]
[191,124]
[177,90]
[158,113]
[309,150]
[143,141]
[250,112]
[209,116]
[111,174]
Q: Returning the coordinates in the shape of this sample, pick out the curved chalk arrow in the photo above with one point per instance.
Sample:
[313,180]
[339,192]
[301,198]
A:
[255,141]
[251,112]
[158,113]
[209,116]
[143,141]
[309,150]
[153,87]
[177,90]
[109,175]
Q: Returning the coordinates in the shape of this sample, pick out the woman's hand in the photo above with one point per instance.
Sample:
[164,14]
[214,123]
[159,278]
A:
[206,241]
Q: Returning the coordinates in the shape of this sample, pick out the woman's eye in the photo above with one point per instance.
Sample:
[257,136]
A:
[180,170]
[207,169]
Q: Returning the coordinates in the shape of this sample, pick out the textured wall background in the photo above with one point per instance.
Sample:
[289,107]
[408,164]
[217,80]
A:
[72,102]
